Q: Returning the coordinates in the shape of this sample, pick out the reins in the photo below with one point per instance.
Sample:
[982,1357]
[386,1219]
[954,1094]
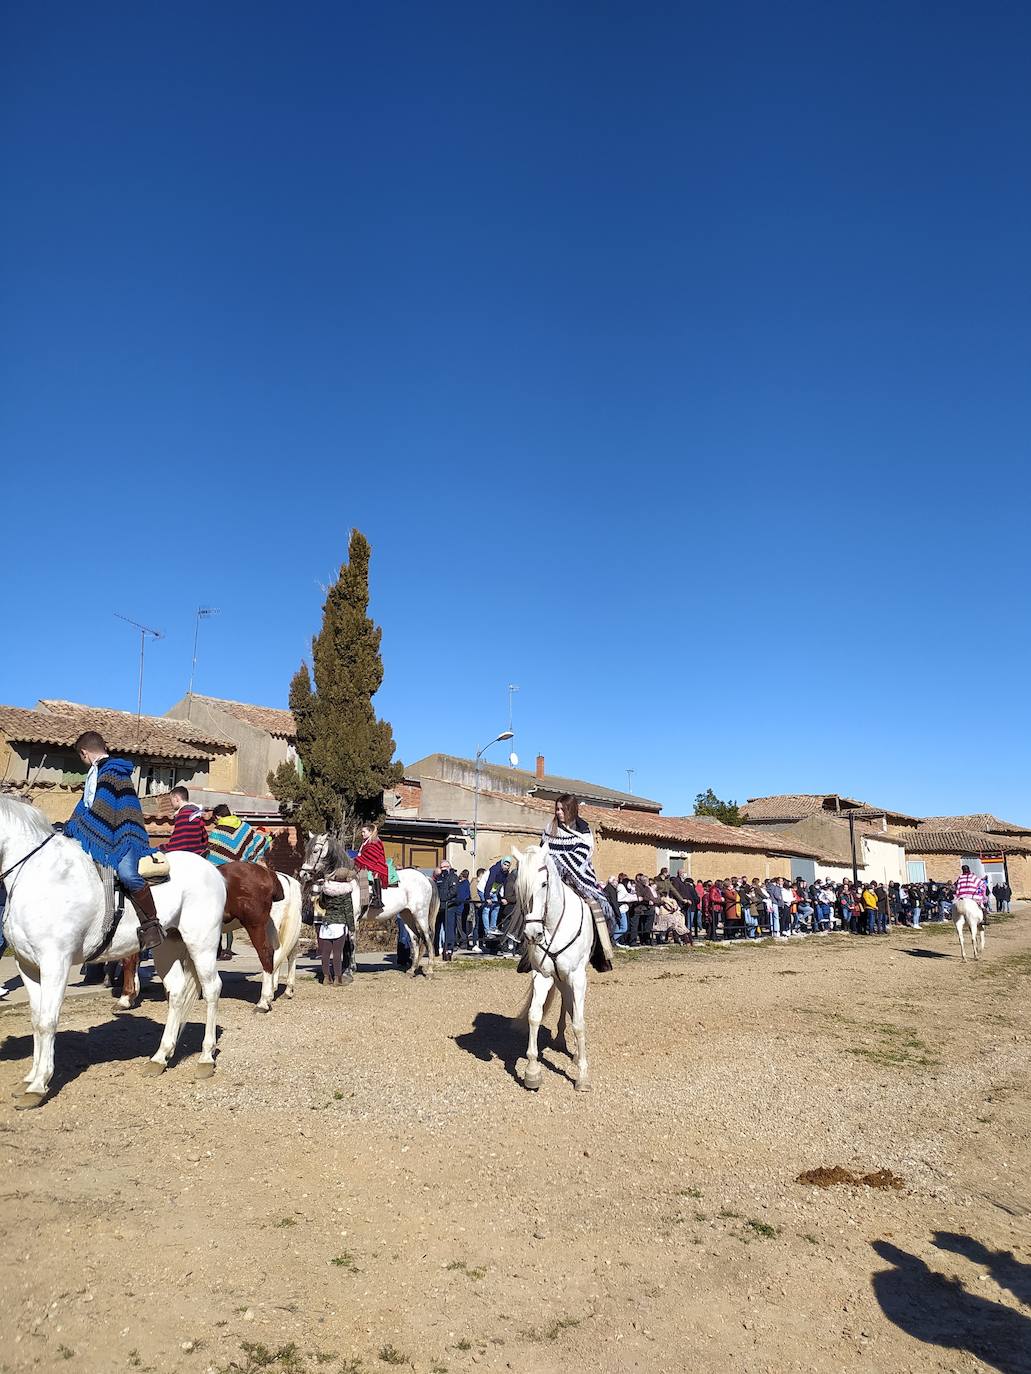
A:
[25,857]
[546,951]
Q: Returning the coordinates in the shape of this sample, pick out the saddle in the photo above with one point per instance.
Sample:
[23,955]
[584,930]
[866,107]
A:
[601,952]
[154,869]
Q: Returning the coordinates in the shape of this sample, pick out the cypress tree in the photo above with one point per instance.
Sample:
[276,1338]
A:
[345,752]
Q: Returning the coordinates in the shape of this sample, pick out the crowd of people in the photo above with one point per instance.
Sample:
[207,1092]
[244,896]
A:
[676,908]
[476,912]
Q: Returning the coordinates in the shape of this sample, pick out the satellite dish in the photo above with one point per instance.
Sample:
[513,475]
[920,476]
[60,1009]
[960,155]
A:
[513,759]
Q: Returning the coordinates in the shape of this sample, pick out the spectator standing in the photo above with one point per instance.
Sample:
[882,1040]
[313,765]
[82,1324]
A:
[450,907]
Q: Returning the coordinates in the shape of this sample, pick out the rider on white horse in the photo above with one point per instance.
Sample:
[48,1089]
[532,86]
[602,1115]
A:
[569,841]
[371,861]
[108,823]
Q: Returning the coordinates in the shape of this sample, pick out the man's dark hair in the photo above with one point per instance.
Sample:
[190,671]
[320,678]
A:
[89,739]
[181,793]
[220,810]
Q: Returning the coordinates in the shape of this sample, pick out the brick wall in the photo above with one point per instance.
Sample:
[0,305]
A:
[614,856]
[732,863]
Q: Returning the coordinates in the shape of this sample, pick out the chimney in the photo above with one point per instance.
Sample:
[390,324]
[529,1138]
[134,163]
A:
[540,765]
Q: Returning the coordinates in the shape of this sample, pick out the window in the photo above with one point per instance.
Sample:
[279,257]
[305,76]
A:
[157,778]
[55,764]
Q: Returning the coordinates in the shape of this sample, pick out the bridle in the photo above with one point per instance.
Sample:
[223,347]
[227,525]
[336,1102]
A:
[311,867]
[547,950]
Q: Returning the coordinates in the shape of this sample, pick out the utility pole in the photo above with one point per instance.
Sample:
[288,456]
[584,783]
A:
[630,779]
[852,841]
[144,630]
[203,613]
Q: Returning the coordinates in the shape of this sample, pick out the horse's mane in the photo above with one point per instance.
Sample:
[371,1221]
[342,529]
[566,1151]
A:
[528,871]
[23,818]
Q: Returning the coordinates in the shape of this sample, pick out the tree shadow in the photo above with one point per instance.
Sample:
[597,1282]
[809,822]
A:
[120,1039]
[494,1036]
[938,1310]
[927,954]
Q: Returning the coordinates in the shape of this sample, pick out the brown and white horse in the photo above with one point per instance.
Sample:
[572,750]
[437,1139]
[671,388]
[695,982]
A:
[267,905]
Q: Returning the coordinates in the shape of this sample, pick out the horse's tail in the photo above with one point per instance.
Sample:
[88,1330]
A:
[523,1015]
[191,983]
[431,917]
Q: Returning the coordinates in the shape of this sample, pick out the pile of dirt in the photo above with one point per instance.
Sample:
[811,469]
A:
[825,1177]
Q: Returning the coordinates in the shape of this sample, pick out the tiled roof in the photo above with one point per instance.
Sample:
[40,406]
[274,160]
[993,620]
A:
[797,806]
[268,718]
[698,830]
[61,723]
[982,820]
[958,841]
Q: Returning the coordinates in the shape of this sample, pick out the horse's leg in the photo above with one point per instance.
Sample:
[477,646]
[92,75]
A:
[32,990]
[973,937]
[565,1015]
[417,936]
[542,985]
[267,952]
[47,1008]
[291,970]
[984,928]
[959,931]
[168,960]
[579,981]
[130,983]
[211,987]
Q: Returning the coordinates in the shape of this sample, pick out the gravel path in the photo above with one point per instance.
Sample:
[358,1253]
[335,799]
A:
[366,1182]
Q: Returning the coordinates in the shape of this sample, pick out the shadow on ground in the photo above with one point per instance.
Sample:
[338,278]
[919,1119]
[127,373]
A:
[125,1037]
[928,954]
[937,1310]
[494,1036]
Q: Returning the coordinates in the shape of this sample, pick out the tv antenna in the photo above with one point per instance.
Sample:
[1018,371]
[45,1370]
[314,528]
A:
[512,689]
[630,779]
[144,630]
[203,613]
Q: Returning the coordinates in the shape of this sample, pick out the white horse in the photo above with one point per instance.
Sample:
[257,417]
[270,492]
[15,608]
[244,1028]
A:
[970,914]
[414,899]
[55,919]
[559,927]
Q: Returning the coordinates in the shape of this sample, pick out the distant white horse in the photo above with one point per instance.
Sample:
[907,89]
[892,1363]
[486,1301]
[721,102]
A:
[414,898]
[970,914]
[559,927]
[55,919]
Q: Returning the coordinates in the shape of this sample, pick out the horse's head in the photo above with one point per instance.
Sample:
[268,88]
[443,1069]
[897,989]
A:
[317,856]
[532,880]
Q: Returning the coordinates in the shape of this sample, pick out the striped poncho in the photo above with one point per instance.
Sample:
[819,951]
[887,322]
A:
[112,827]
[233,840]
[572,850]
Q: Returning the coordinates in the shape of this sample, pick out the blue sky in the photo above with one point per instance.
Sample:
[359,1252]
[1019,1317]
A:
[674,359]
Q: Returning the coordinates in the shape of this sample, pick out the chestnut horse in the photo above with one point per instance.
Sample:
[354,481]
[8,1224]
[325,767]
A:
[252,890]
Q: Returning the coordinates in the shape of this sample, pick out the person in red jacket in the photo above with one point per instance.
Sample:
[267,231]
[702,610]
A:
[372,859]
[189,832]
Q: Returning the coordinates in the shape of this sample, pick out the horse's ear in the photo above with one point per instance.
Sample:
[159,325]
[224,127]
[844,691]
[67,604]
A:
[517,854]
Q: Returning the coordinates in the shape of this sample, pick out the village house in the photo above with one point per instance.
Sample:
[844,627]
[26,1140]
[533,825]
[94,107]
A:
[892,846]
[495,809]
[216,760]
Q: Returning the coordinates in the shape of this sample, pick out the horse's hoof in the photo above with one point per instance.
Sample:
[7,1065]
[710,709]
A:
[152,1069]
[532,1081]
[203,1070]
[262,1008]
[26,1102]
[582,1086]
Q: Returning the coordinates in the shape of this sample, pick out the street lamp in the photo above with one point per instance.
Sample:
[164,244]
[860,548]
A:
[505,734]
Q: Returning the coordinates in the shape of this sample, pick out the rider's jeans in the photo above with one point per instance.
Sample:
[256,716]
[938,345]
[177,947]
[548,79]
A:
[128,873]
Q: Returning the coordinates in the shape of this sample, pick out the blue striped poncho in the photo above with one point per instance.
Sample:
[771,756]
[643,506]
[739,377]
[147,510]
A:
[112,827]
[235,841]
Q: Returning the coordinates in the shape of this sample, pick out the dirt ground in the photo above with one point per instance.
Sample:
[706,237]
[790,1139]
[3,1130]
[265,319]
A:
[366,1184]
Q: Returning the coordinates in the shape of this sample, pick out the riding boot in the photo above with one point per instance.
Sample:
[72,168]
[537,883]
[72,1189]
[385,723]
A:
[150,932]
[375,895]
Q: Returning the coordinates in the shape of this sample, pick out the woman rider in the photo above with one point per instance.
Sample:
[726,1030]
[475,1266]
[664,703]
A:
[569,840]
[372,859]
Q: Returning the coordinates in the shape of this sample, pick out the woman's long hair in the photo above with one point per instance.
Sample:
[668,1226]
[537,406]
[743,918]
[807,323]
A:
[570,812]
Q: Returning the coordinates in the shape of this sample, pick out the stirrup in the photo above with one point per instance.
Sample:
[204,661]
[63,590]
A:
[150,935]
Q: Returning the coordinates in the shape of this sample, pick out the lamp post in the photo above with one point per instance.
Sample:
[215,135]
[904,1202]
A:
[505,734]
